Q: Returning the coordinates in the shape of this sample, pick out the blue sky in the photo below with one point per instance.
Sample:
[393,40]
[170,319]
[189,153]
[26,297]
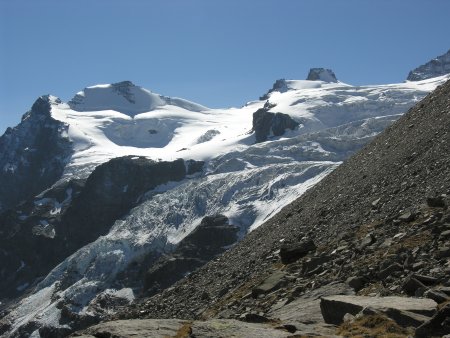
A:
[217,53]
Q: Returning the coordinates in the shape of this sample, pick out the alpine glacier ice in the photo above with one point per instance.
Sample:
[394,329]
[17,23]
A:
[246,182]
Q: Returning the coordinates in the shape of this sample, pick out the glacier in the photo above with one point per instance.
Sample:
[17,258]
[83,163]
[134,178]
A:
[246,181]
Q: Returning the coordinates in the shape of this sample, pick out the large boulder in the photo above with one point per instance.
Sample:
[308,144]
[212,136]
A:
[335,307]
[291,252]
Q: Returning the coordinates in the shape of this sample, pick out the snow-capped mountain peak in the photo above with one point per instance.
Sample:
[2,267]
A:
[125,97]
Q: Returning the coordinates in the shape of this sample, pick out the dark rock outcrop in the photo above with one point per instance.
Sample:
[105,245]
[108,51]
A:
[207,241]
[280,85]
[266,123]
[35,238]
[436,67]
[32,154]
[321,74]
[290,252]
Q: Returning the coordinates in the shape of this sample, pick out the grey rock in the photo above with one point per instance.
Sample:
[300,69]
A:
[254,318]
[335,307]
[407,216]
[357,283]
[436,202]
[427,280]
[443,252]
[390,270]
[401,317]
[411,285]
[273,282]
[369,239]
[438,325]
[444,235]
[313,263]
[437,296]
[291,252]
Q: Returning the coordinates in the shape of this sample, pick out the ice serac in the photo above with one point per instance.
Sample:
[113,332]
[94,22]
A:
[436,67]
[33,154]
[125,97]
[321,74]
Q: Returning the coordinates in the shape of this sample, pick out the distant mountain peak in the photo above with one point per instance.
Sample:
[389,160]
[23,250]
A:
[321,74]
[125,97]
[436,67]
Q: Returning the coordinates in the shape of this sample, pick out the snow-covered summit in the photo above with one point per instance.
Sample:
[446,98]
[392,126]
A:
[436,67]
[321,74]
[125,97]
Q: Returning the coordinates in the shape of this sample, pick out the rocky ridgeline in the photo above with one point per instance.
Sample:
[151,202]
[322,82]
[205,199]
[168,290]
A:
[436,67]
[33,154]
[377,226]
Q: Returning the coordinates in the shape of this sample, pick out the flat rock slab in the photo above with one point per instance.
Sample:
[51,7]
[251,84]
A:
[335,307]
[163,328]
[305,313]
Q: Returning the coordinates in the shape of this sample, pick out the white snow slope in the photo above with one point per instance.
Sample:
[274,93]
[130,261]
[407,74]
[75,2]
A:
[247,182]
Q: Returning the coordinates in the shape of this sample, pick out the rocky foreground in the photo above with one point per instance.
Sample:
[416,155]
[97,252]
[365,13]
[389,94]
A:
[366,251]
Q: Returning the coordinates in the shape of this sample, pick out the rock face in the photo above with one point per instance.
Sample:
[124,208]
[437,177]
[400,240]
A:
[32,155]
[111,190]
[436,67]
[208,240]
[266,124]
[321,74]
[43,232]
[334,308]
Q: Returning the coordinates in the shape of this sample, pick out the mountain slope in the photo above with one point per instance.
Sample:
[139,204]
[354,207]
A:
[370,193]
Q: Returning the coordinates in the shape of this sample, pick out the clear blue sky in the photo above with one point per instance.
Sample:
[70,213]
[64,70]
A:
[217,53]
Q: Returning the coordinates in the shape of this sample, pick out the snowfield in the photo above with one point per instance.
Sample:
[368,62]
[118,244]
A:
[246,182]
